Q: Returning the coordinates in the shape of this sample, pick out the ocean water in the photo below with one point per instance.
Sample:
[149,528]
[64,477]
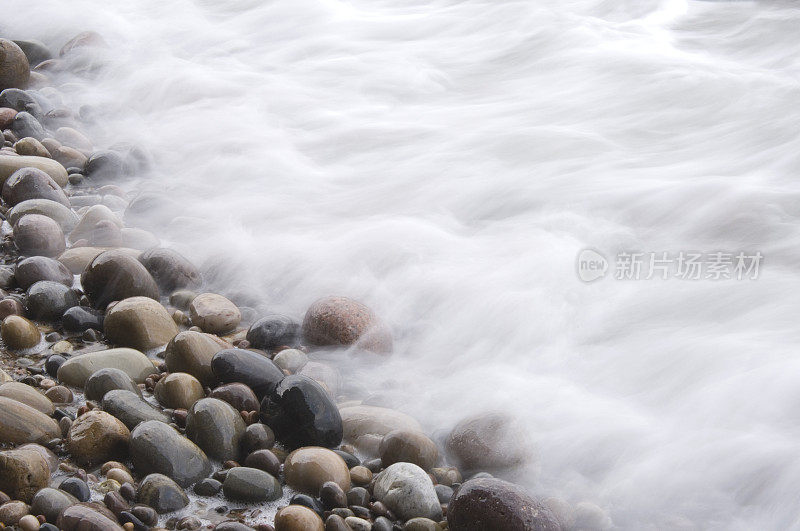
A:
[445,162]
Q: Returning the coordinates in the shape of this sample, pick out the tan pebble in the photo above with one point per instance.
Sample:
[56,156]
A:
[119,475]
[29,523]
[108,485]
[62,347]
[360,475]
[47,383]
[128,526]
[108,465]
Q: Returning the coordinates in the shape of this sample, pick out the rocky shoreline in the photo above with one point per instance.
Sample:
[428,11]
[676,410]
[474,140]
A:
[132,399]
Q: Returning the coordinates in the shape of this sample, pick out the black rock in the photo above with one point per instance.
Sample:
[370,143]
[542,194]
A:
[162,494]
[349,459]
[358,496]
[301,413]
[79,319]
[257,372]
[207,487]
[77,487]
[273,331]
[170,269]
[332,495]
[156,447]
[127,517]
[115,275]
[48,300]
[35,51]
[307,501]
[36,268]
[53,363]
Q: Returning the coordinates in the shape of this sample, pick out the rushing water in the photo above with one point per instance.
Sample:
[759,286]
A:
[446,161]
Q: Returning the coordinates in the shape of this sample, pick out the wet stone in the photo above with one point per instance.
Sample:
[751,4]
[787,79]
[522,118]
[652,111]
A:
[97,436]
[170,269]
[131,408]
[306,469]
[178,390]
[358,496]
[254,370]
[50,502]
[408,492]
[251,485]
[162,494]
[37,235]
[216,427]
[339,321]
[332,495]
[77,370]
[12,511]
[85,517]
[156,447]
[59,395]
[298,518]
[59,213]
[139,322]
[192,352]
[27,395]
[48,300]
[290,359]
[37,268]
[490,442]
[26,125]
[77,488]
[32,183]
[207,487]
[273,331]
[23,472]
[257,437]
[307,501]
[115,276]
[408,446]
[214,313]
[106,380]
[264,460]
[20,423]
[238,395]
[78,319]
[14,66]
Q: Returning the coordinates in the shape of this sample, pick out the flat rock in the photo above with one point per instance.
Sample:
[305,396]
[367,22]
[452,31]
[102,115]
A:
[77,370]
[10,164]
[20,423]
[27,395]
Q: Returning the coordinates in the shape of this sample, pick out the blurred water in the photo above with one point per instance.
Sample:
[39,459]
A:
[445,162]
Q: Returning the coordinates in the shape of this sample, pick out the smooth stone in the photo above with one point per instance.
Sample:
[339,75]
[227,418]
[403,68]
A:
[90,219]
[139,322]
[97,436]
[332,495]
[360,475]
[216,427]
[192,352]
[444,493]
[31,146]
[73,138]
[231,525]
[37,235]
[59,395]
[104,165]
[12,163]
[335,522]
[365,426]
[307,469]
[349,459]
[207,487]
[254,370]
[76,259]
[422,524]
[32,183]
[238,395]
[64,216]
[357,524]
[48,300]
[170,269]
[4,377]
[83,517]
[257,437]
[41,268]
[408,492]
[78,319]
[50,502]
[298,518]
[131,408]
[178,390]
[26,125]
[106,234]
[250,485]
[77,370]
[77,488]
[12,511]
[290,359]
[7,115]
[105,380]
[264,460]
[408,446]
[489,442]
[19,334]
[358,496]
[27,395]
[23,472]
[20,423]
[301,413]
[115,276]
[489,503]
[339,321]
[14,66]
[138,238]
[158,448]
[214,313]
[273,331]
[35,51]
[162,494]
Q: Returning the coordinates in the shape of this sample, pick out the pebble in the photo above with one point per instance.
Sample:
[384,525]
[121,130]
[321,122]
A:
[78,319]
[85,517]
[290,359]
[97,436]
[250,485]
[489,442]
[114,276]
[40,268]
[77,488]
[20,423]
[357,524]
[119,475]
[306,469]
[257,436]
[139,322]
[37,235]
[29,523]
[147,515]
[48,300]
[31,146]
[331,495]
[444,493]
[25,125]
[50,502]
[360,476]
[131,408]
[382,524]
[61,214]
[301,413]
[92,217]
[408,492]
[298,518]
[109,379]
[14,66]
[214,313]
[182,298]
[192,352]
[365,426]
[238,395]
[162,494]
[170,270]
[23,472]
[11,512]
[10,164]
[76,370]
[207,487]
[336,523]
[339,321]
[27,395]
[422,524]
[59,395]
[497,504]
[408,446]
[158,448]
[216,427]
[32,183]
[11,306]
[357,496]
[254,370]
[273,331]
[179,390]
[264,460]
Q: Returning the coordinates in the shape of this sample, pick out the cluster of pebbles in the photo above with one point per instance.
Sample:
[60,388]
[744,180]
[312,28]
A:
[131,399]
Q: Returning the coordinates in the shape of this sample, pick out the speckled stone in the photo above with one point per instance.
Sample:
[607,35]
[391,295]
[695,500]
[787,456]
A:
[339,321]
[97,436]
